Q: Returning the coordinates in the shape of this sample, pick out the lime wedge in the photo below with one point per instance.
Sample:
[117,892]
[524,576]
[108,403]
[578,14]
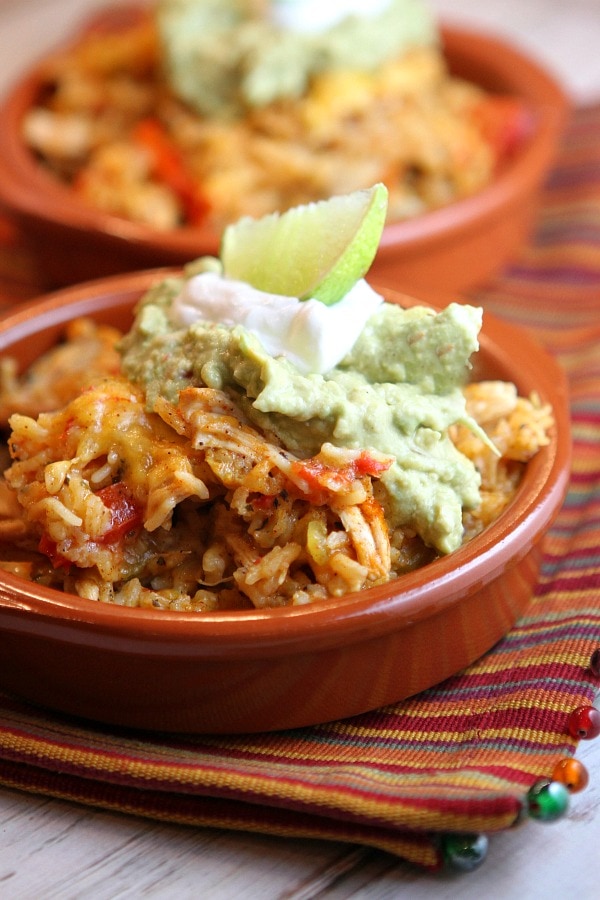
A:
[317,250]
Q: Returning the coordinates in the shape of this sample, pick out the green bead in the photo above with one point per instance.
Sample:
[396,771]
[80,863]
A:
[464,852]
[547,800]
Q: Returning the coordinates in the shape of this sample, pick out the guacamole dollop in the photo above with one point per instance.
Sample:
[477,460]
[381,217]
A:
[225,56]
[397,391]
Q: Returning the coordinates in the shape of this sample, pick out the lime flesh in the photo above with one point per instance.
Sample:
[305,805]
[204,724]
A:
[317,250]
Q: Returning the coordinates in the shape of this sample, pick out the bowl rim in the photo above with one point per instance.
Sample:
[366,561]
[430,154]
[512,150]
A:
[335,621]
[492,54]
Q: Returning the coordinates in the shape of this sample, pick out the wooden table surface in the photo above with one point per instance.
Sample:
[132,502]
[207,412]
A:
[51,849]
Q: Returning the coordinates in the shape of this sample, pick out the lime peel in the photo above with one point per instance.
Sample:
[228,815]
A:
[318,250]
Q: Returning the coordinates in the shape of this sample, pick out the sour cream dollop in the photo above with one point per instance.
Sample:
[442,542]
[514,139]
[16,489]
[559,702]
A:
[312,336]
[316,15]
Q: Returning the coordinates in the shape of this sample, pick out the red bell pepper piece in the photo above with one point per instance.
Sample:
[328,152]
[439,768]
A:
[321,479]
[126,513]
[168,166]
[505,123]
[48,547]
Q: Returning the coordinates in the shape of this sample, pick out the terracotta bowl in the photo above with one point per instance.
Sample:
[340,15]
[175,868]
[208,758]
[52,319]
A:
[266,670]
[450,249]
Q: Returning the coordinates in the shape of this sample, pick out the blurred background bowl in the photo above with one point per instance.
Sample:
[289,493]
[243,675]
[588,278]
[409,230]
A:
[271,669]
[450,249]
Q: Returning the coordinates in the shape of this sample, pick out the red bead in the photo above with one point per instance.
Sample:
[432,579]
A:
[572,774]
[584,722]
[595,663]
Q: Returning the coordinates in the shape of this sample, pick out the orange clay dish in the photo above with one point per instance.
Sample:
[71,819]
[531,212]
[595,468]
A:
[146,129]
[228,454]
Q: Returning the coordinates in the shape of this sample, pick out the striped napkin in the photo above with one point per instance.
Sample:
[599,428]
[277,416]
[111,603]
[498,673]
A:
[459,758]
